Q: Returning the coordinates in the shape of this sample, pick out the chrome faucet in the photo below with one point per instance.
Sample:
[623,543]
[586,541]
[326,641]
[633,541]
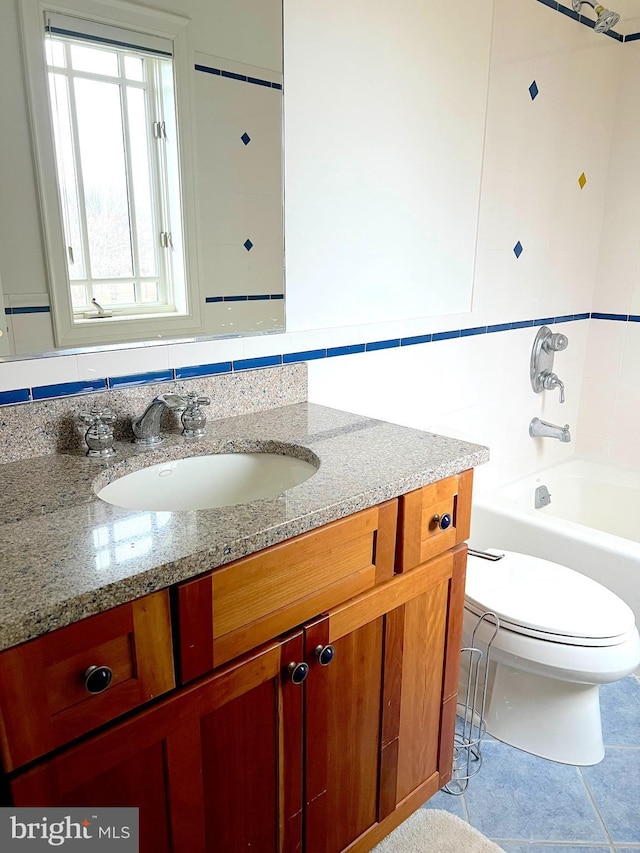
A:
[542,429]
[146,427]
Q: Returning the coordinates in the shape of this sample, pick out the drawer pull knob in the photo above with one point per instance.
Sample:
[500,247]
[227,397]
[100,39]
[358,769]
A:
[442,521]
[325,654]
[298,671]
[97,678]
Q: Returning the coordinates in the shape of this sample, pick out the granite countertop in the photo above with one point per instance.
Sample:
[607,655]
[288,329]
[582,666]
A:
[66,554]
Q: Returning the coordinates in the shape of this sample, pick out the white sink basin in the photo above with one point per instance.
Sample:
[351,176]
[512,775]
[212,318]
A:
[204,482]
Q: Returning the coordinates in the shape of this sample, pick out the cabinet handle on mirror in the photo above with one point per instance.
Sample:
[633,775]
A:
[442,521]
[298,671]
[97,678]
[325,654]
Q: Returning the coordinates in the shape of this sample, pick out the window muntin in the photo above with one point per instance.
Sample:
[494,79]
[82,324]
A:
[118,176]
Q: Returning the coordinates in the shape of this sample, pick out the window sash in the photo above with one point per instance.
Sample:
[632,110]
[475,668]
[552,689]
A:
[157,181]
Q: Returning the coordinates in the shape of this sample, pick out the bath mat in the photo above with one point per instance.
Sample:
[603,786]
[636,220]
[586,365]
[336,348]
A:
[435,831]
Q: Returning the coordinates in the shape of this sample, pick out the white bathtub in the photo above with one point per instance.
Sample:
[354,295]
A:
[592,523]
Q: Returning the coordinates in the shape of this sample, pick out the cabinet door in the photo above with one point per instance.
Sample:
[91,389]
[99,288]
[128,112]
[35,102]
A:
[380,716]
[218,767]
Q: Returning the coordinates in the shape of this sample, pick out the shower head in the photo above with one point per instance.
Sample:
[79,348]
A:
[606,18]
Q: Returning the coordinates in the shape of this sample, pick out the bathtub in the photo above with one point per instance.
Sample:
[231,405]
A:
[591,525]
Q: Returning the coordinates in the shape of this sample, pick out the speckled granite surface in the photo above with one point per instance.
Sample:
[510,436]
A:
[66,554]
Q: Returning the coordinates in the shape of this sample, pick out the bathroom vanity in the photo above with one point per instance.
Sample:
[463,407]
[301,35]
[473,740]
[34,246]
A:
[275,676]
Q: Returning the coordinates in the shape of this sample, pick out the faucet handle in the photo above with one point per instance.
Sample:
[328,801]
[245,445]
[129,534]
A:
[551,381]
[99,435]
[193,418]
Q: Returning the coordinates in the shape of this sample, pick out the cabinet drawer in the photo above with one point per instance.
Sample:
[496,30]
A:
[235,608]
[420,534]
[44,701]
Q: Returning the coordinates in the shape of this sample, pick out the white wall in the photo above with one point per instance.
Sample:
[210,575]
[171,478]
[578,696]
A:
[610,410]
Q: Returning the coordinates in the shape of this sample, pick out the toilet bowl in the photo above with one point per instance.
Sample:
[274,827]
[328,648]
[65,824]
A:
[561,635]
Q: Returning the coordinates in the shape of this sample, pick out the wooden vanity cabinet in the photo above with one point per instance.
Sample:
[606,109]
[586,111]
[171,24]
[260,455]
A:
[243,757]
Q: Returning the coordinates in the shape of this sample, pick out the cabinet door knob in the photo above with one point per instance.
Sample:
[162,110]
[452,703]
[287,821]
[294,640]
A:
[325,654]
[97,678]
[442,521]
[298,671]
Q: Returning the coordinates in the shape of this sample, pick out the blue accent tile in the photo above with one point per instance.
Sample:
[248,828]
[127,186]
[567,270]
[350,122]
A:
[134,379]
[599,315]
[614,785]
[245,138]
[569,12]
[203,370]
[248,245]
[632,37]
[564,318]
[619,703]
[520,796]
[350,349]
[517,249]
[258,82]
[553,4]
[499,327]
[476,330]
[31,309]
[522,324]
[20,395]
[259,297]
[416,339]
[309,355]
[588,22]
[255,363]
[634,318]
[533,90]
[276,85]
[277,295]
[445,336]
[67,389]
[614,35]
[584,316]
[233,76]
[235,298]
[376,345]
[214,299]
[208,70]
[544,321]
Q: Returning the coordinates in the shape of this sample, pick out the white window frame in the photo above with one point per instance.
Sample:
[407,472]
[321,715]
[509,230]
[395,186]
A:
[70,330]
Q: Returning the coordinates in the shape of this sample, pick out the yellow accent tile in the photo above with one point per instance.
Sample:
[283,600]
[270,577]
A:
[582,180]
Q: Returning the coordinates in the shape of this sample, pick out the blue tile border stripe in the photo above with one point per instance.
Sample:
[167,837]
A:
[135,379]
[29,309]
[243,78]
[251,297]
[587,21]
[20,395]
[69,389]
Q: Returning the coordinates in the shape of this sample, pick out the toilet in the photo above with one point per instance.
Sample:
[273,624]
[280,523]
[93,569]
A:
[561,635]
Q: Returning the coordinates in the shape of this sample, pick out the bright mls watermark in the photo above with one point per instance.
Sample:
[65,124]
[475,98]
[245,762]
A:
[77,830]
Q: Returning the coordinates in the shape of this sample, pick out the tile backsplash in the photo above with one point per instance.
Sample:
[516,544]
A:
[52,426]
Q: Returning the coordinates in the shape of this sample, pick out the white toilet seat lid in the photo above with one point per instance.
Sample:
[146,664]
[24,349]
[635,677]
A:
[540,598]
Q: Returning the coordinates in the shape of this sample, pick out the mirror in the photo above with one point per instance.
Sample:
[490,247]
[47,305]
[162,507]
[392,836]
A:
[234,96]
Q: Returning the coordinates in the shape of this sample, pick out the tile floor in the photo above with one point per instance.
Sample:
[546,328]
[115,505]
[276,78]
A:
[530,805]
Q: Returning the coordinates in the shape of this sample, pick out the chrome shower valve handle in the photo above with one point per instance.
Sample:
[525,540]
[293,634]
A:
[541,374]
[550,382]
